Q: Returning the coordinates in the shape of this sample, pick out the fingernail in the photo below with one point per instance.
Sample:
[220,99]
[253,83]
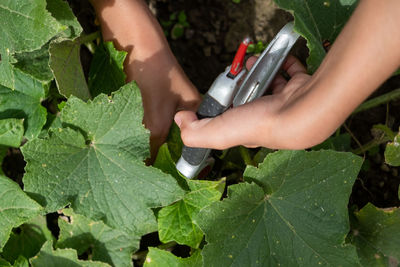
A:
[178,121]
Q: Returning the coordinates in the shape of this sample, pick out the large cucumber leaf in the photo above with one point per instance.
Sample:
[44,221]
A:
[294,214]
[36,63]
[95,163]
[175,222]
[376,233]
[21,96]
[15,208]
[106,73]
[11,132]
[161,258]
[108,245]
[318,21]
[27,240]
[61,257]
[65,63]
[26,25]
[61,11]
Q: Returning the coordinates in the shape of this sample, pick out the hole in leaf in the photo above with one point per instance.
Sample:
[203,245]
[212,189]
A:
[87,254]
[52,223]
[181,251]
[17,230]
[13,165]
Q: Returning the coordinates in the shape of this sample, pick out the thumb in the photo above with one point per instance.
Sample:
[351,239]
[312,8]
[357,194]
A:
[232,128]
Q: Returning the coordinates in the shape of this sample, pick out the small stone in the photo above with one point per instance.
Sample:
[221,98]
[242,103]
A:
[189,33]
[217,49]
[377,158]
[207,51]
[210,37]
[385,167]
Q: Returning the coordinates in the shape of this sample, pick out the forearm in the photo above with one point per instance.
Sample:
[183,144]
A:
[150,62]
[364,55]
[132,27]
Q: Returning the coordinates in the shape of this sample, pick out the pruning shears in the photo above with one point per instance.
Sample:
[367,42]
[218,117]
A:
[235,86]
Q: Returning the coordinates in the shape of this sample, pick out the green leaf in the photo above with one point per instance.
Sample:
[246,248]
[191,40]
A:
[20,97]
[376,233]
[61,257]
[182,18]
[318,21]
[175,222]
[26,26]
[63,14]
[261,154]
[339,143]
[106,73]
[177,31]
[107,244]
[96,164]
[174,142]
[392,152]
[21,262]
[28,240]
[165,163]
[65,62]
[286,211]
[35,63]
[3,154]
[161,258]
[11,132]
[4,263]
[15,208]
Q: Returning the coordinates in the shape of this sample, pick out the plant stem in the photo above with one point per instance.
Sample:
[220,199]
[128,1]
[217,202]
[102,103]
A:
[244,152]
[369,145]
[89,37]
[168,245]
[386,130]
[91,47]
[393,95]
[361,148]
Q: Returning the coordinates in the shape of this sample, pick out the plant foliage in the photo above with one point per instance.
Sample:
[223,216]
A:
[82,137]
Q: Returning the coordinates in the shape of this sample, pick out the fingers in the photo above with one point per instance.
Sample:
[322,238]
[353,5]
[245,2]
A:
[293,66]
[250,62]
[278,84]
[237,126]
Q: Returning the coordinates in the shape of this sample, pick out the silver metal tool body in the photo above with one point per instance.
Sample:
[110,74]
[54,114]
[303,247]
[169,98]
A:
[216,101]
[265,68]
[227,90]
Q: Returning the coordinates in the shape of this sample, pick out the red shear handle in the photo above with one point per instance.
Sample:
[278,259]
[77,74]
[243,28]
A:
[238,61]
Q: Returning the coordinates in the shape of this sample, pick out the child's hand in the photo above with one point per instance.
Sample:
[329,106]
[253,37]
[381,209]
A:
[251,124]
[307,110]
[150,62]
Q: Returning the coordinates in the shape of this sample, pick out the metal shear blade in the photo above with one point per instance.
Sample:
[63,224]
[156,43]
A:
[267,65]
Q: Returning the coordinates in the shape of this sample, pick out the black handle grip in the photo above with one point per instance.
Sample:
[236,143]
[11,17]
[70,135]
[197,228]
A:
[209,108]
